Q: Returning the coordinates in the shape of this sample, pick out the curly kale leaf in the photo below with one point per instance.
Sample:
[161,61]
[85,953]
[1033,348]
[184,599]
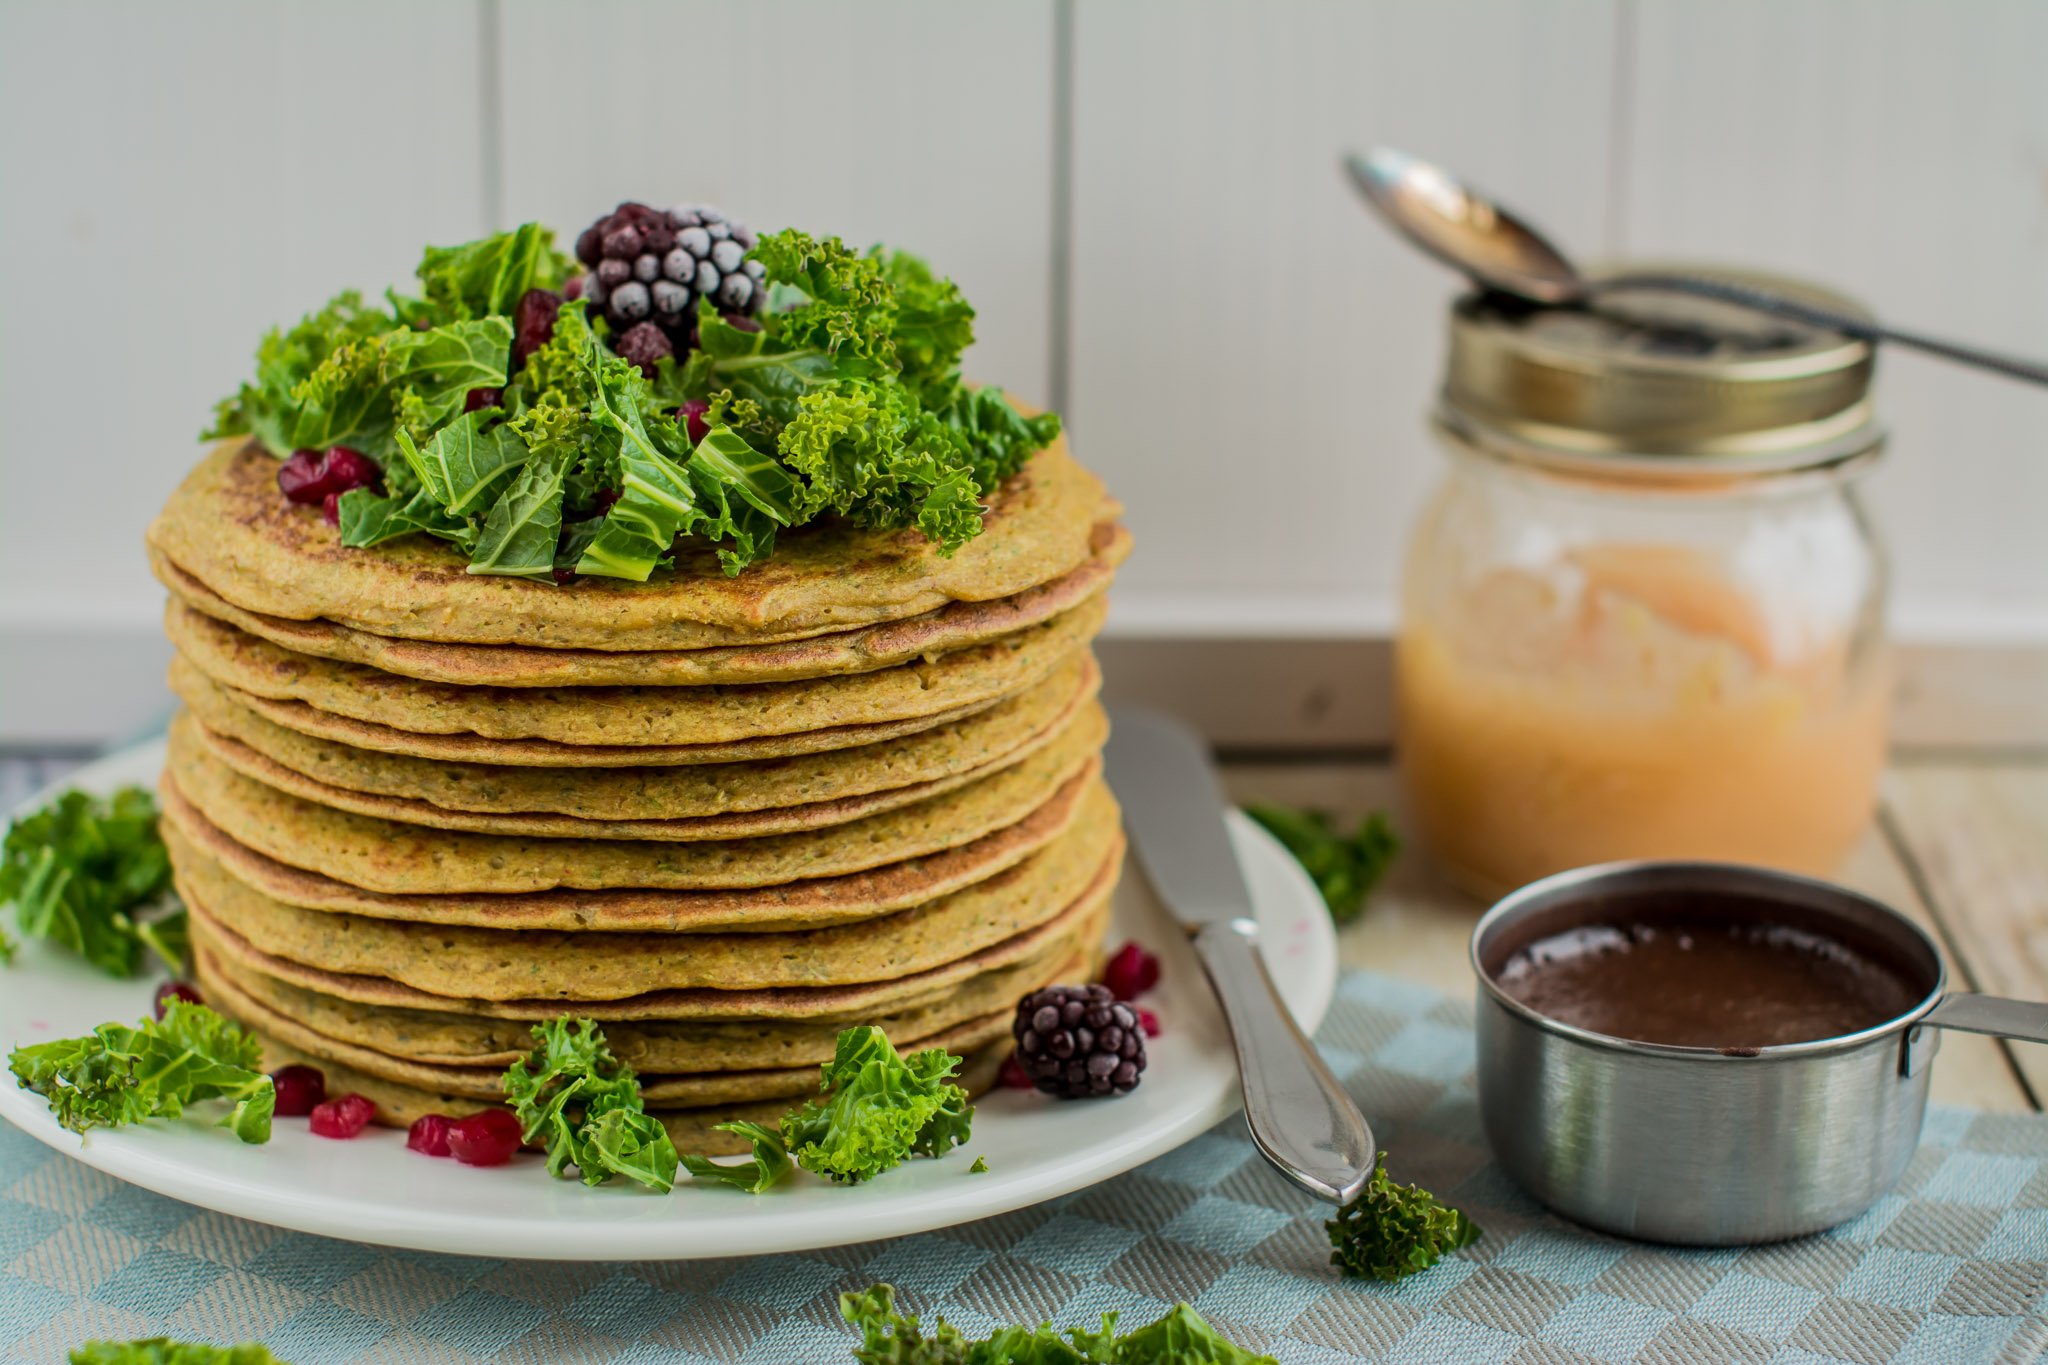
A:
[934,322]
[286,359]
[464,467]
[584,1106]
[828,298]
[995,436]
[118,1074]
[367,519]
[164,1351]
[1390,1231]
[80,870]
[488,278]
[343,374]
[524,526]
[1345,868]
[767,1167]
[436,369]
[1181,1337]
[867,452]
[880,1109]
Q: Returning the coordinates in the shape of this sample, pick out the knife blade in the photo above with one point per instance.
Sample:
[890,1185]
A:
[1174,805]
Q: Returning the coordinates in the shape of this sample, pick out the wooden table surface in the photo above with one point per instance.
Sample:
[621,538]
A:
[1960,844]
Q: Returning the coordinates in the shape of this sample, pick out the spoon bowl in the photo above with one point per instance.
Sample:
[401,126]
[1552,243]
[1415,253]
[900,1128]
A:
[1465,230]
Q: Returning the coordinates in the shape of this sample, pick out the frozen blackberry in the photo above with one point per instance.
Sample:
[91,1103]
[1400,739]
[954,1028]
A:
[650,266]
[1079,1042]
[644,344]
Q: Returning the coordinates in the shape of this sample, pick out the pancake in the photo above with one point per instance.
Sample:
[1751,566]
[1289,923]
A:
[1012,728]
[841,1005]
[487,1082]
[1090,727]
[227,527]
[791,905]
[442,1039]
[1061,880]
[953,627]
[401,859]
[543,753]
[692,1130]
[634,715]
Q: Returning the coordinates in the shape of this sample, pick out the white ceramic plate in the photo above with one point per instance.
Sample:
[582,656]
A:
[373,1190]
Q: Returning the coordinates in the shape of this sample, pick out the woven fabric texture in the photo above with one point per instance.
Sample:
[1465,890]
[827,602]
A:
[1952,1266]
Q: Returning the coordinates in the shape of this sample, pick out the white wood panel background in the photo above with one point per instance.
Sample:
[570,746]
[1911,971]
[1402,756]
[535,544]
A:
[1251,354]
[1237,347]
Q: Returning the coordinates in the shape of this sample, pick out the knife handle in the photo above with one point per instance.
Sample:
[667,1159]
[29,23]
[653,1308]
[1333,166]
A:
[1298,1113]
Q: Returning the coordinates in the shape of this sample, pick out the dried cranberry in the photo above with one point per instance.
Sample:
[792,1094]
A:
[692,412]
[533,322]
[644,344]
[176,990]
[343,1117]
[1013,1076]
[330,509]
[300,1090]
[563,576]
[574,288]
[429,1134]
[486,1139]
[478,399]
[348,468]
[603,500]
[1150,1022]
[310,476]
[1130,972]
[298,474]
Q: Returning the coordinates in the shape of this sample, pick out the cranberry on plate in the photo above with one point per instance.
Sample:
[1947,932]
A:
[343,1117]
[1130,972]
[485,1139]
[429,1135]
[300,1090]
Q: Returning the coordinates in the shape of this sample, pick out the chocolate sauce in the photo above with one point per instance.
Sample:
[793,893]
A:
[1692,979]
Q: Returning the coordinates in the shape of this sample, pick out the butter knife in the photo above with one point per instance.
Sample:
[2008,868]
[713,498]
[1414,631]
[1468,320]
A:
[1174,805]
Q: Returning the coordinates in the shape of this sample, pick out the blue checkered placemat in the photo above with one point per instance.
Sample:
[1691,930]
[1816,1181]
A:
[1952,1266]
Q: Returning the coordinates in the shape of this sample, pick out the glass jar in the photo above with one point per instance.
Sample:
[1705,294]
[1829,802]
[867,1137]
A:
[1643,617]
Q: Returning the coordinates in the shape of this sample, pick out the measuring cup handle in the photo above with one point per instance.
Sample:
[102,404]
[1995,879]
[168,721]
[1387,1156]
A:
[2023,1019]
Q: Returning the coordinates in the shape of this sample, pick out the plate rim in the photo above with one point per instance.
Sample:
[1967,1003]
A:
[544,1236]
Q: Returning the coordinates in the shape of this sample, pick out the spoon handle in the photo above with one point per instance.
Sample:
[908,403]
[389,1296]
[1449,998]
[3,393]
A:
[1863,329]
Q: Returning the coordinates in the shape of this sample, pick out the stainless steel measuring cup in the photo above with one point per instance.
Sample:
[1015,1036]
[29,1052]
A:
[1705,1146]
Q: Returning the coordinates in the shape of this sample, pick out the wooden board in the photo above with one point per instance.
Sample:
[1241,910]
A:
[1978,836]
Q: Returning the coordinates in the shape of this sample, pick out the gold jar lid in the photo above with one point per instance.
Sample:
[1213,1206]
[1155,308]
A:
[1641,376]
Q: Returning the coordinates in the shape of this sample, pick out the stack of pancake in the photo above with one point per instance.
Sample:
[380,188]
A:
[414,811]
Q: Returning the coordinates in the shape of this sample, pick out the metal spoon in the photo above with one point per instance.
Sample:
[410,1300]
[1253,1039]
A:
[1477,237]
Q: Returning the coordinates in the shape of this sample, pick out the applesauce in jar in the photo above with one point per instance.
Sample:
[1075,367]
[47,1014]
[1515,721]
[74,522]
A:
[1643,616]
